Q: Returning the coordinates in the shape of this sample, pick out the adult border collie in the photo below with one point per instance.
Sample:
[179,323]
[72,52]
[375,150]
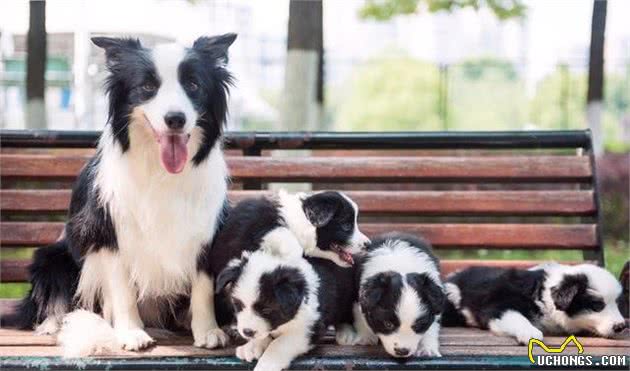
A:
[145,208]
[550,298]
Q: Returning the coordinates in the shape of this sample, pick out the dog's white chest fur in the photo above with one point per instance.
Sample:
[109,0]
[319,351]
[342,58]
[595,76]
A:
[161,220]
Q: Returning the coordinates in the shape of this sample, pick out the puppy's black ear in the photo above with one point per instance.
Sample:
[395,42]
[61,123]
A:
[428,291]
[377,287]
[115,47]
[565,292]
[321,208]
[228,276]
[215,46]
[289,289]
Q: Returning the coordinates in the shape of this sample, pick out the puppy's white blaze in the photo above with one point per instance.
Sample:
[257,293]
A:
[358,239]
[85,333]
[170,94]
[161,220]
[400,257]
[408,310]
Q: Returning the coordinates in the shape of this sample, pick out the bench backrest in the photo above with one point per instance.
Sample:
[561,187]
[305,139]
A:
[462,191]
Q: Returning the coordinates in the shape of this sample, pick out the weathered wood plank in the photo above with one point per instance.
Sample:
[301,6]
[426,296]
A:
[17,270]
[378,202]
[502,236]
[342,169]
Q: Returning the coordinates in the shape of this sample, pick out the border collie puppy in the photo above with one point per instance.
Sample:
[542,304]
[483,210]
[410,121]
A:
[550,298]
[283,304]
[145,208]
[400,298]
[321,225]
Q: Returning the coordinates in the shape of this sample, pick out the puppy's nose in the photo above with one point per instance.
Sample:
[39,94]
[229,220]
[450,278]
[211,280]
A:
[175,120]
[401,352]
[248,332]
[618,327]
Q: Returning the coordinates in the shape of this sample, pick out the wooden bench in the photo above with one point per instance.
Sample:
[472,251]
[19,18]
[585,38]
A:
[464,191]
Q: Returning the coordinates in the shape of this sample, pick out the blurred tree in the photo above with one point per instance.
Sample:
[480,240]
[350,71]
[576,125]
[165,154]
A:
[386,9]
[36,66]
[303,89]
[380,98]
[594,96]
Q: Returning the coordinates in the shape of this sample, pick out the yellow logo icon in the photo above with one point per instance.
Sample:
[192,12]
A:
[547,349]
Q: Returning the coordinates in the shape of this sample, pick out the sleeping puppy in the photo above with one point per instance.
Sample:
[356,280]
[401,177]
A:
[400,298]
[550,298]
[284,304]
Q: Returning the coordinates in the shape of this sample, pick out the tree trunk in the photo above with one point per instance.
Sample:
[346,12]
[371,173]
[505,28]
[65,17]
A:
[303,89]
[595,94]
[36,66]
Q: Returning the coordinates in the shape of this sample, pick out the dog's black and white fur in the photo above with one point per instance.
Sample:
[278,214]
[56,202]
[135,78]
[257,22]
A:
[284,303]
[322,225]
[145,208]
[400,300]
[548,299]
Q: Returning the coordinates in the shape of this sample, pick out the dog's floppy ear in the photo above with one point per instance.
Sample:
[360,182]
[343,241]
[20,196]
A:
[320,208]
[428,290]
[215,46]
[570,286]
[289,288]
[115,47]
[376,287]
[228,276]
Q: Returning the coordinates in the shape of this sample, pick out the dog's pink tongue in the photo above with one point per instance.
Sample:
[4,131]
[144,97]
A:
[173,152]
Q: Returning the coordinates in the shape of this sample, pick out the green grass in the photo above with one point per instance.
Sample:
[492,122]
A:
[616,254]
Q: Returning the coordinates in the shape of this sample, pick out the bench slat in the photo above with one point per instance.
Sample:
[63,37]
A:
[503,236]
[17,270]
[377,202]
[343,169]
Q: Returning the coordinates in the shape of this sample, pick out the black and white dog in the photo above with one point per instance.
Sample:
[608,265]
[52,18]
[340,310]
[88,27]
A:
[550,298]
[400,300]
[145,208]
[284,303]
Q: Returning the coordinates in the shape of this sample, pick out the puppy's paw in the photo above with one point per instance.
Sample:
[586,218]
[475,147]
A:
[134,339]
[214,338]
[525,334]
[269,365]
[50,326]
[428,351]
[252,350]
[346,335]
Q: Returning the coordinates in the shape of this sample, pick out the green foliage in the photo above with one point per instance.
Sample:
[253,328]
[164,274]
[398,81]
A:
[397,93]
[382,10]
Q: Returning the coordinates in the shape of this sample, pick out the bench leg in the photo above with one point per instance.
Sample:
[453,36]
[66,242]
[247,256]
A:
[206,331]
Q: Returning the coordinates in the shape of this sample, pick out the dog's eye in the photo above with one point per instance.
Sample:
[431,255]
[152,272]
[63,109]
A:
[346,227]
[238,305]
[192,86]
[388,325]
[149,87]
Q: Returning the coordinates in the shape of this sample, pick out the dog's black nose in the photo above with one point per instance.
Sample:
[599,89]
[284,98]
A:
[175,120]
[618,327]
[249,332]
[402,352]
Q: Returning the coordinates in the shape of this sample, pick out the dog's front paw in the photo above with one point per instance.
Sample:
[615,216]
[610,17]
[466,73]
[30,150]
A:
[428,351]
[346,335]
[50,326]
[525,334]
[252,350]
[134,339]
[269,365]
[212,339]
